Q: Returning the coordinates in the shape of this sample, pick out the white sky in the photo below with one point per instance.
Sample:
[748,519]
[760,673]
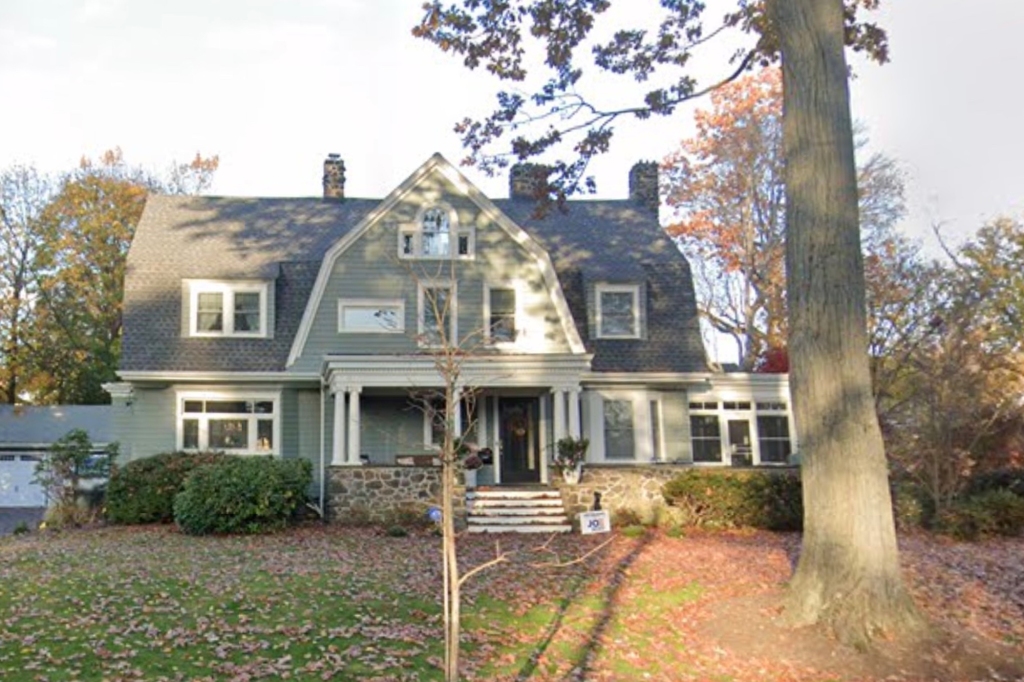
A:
[272,86]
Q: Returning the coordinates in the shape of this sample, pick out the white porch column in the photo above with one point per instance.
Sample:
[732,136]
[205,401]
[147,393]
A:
[559,413]
[353,424]
[338,446]
[457,413]
[574,413]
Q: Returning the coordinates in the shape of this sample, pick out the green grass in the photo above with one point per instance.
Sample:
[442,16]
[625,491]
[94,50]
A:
[151,604]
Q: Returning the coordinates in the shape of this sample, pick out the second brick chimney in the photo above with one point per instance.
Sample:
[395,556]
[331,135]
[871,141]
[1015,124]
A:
[334,177]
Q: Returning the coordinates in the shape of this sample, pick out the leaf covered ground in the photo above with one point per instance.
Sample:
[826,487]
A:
[330,603]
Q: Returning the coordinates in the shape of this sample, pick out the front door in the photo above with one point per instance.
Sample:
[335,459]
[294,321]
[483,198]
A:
[520,451]
[740,449]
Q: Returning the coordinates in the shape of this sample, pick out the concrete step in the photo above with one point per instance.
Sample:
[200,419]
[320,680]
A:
[538,528]
[517,520]
[481,503]
[516,511]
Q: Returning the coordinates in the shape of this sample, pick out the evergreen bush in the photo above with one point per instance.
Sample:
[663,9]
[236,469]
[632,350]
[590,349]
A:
[143,490]
[242,495]
[724,498]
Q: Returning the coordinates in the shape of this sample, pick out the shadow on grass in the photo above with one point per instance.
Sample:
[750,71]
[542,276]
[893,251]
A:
[608,609]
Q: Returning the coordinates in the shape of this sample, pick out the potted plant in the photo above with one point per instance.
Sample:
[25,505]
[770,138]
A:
[469,455]
[570,453]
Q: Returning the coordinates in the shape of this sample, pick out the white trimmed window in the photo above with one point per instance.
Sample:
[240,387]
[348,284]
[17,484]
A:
[436,234]
[618,311]
[438,311]
[500,314]
[228,308]
[705,432]
[370,316]
[236,423]
[619,437]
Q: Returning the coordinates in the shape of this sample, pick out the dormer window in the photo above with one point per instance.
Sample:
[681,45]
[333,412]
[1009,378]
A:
[228,308]
[618,311]
[435,234]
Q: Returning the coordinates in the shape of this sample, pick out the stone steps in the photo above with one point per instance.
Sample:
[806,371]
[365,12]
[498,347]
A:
[516,510]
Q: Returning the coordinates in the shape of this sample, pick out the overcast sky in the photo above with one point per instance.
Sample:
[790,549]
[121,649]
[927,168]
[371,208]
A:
[272,86]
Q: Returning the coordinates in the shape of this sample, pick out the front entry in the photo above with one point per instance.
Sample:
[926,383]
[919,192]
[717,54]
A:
[520,448]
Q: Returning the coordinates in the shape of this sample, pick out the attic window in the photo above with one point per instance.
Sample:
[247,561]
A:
[228,308]
[435,234]
[618,311]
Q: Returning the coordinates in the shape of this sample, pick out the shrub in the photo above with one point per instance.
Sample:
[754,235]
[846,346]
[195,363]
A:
[242,495]
[731,499]
[143,490]
[999,479]
[911,506]
[987,514]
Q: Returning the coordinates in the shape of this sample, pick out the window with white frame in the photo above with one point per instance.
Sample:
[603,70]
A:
[501,314]
[233,423]
[773,440]
[619,437]
[618,311]
[437,314]
[366,316]
[228,308]
[705,432]
[435,234]
[435,426]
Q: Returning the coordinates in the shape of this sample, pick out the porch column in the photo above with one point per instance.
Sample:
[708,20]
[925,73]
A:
[338,446]
[353,424]
[559,413]
[574,413]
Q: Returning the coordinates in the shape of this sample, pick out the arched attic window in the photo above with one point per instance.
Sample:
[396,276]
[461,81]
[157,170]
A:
[435,234]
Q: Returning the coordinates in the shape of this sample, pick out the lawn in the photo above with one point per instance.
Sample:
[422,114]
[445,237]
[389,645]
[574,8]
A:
[329,603]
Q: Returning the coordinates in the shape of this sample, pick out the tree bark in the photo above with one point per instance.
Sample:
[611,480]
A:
[848,576]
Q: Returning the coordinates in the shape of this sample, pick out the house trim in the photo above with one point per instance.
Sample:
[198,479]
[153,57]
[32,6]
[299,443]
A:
[486,206]
[245,377]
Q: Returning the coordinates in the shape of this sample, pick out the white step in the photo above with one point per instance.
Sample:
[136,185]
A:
[489,502]
[562,528]
[516,511]
[511,521]
[515,494]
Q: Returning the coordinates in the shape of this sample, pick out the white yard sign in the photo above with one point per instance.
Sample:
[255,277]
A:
[594,522]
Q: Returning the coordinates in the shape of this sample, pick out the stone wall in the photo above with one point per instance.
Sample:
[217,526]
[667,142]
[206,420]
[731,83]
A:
[633,488]
[385,494]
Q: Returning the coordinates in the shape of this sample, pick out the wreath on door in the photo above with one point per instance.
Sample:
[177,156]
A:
[517,424]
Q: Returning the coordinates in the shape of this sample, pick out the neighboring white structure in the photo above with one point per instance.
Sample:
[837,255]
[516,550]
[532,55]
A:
[26,435]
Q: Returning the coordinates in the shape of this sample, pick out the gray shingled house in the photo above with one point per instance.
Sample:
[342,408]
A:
[299,328]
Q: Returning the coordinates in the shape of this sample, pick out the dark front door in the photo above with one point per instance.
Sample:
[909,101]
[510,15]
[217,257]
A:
[520,453]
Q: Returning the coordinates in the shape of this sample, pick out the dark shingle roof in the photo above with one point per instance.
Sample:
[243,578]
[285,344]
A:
[34,424]
[212,238]
[621,241]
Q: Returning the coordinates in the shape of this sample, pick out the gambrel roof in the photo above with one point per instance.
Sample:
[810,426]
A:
[286,240]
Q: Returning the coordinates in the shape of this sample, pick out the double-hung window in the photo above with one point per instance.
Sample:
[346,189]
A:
[228,308]
[437,314]
[435,234]
[618,311]
[234,423]
[705,432]
[773,433]
[501,314]
[619,439]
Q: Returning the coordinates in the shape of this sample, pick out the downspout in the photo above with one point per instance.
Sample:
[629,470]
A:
[323,463]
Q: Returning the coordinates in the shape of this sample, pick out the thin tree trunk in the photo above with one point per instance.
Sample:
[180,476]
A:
[848,575]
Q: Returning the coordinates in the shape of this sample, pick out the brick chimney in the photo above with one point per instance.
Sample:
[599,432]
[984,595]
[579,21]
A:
[643,185]
[527,180]
[334,177]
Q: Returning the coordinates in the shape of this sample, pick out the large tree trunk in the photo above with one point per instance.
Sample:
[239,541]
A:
[849,575]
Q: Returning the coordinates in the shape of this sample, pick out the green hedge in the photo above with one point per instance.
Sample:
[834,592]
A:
[726,498]
[242,495]
[986,514]
[143,490]
[1011,480]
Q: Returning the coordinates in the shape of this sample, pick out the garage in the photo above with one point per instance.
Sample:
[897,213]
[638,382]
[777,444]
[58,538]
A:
[17,481]
[27,432]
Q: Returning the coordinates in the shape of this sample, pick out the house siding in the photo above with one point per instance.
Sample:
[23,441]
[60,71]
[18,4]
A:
[370,268]
[151,429]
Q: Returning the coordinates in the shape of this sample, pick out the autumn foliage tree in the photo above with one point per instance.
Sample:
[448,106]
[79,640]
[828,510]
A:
[726,186]
[66,240]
